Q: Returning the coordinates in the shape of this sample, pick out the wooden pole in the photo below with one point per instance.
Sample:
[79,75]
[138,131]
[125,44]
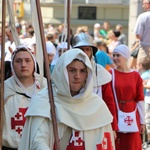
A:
[68,22]
[2,69]
[50,92]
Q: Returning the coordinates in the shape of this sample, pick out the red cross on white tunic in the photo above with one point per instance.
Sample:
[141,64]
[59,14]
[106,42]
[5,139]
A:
[18,121]
[76,142]
[106,143]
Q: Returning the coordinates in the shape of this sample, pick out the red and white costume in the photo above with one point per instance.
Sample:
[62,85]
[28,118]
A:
[102,88]
[129,91]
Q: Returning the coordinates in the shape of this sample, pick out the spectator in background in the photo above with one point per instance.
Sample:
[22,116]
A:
[71,36]
[122,38]
[24,25]
[101,56]
[113,37]
[9,48]
[144,69]
[60,28]
[50,27]
[83,29]
[50,37]
[9,45]
[146,85]
[63,36]
[142,31]
[28,27]
[105,29]
[61,48]
[96,30]
[30,32]
[19,28]
[30,40]
[79,30]
[104,48]
[54,36]
[135,50]
[51,52]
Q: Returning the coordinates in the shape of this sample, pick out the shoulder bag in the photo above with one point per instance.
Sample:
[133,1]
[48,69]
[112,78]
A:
[126,120]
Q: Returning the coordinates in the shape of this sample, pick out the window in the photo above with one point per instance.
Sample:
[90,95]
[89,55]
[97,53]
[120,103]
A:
[87,13]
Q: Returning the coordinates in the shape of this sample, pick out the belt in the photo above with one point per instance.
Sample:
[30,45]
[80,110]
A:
[125,101]
[8,148]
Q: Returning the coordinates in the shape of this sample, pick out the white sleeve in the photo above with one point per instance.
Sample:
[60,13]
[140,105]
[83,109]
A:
[42,137]
[140,106]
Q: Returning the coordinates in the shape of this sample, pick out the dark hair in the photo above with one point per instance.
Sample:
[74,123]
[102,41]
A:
[24,49]
[76,59]
[31,31]
[116,33]
[20,49]
[102,43]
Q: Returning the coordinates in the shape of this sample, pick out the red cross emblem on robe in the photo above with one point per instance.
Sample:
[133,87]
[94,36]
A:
[76,142]
[106,143]
[18,121]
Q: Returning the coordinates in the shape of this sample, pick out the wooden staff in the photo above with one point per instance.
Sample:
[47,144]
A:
[68,22]
[2,69]
[50,92]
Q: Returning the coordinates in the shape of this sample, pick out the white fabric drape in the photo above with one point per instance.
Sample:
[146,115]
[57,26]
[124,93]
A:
[12,22]
[35,23]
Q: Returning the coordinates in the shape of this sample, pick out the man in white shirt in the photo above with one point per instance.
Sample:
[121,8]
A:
[142,31]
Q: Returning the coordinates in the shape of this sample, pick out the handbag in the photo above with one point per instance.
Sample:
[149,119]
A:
[135,49]
[126,120]
[135,52]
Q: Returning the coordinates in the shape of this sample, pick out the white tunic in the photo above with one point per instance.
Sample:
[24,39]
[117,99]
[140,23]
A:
[15,107]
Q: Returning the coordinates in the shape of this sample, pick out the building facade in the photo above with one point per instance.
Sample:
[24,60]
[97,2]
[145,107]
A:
[84,12]
[87,12]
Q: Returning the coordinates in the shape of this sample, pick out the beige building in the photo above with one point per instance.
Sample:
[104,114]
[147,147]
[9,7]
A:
[86,12]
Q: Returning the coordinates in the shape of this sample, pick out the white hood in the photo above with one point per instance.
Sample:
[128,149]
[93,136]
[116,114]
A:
[84,111]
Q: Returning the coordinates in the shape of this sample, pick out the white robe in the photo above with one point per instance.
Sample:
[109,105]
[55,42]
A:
[15,106]
[84,112]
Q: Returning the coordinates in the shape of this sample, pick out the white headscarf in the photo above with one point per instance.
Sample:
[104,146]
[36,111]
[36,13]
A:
[84,111]
[123,50]
[82,106]
[35,66]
